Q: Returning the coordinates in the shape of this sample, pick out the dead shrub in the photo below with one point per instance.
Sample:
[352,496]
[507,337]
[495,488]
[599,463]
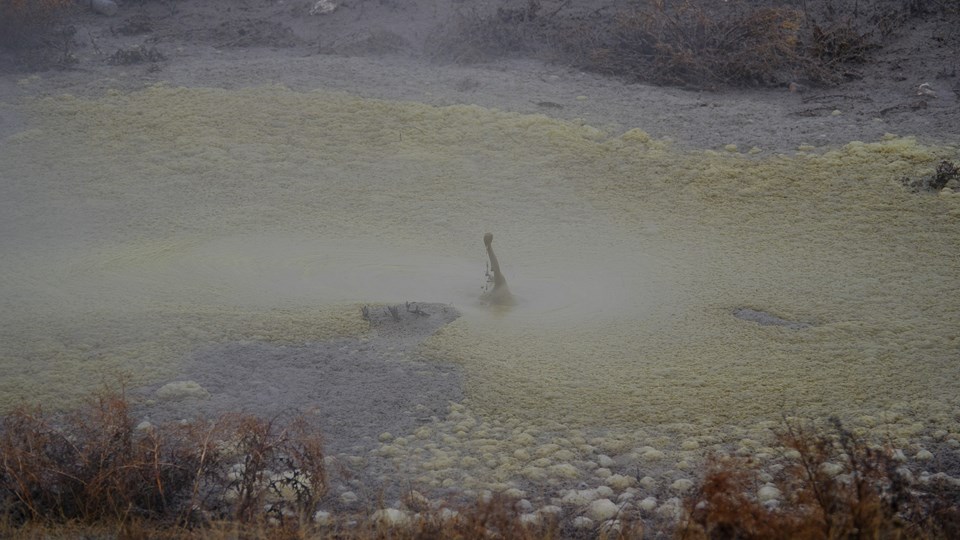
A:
[839,43]
[94,467]
[691,43]
[138,54]
[687,45]
[835,486]
[946,175]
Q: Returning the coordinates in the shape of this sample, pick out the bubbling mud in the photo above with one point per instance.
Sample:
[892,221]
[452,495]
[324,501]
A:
[138,226]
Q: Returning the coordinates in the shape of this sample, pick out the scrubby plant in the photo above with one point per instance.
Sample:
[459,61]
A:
[688,44]
[833,484]
[692,43]
[95,467]
[945,174]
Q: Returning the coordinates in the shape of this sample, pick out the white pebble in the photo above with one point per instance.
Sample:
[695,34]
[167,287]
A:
[564,470]
[605,461]
[768,492]
[582,522]
[620,482]
[530,519]
[546,450]
[181,390]
[602,472]
[671,509]
[690,444]
[652,455]
[391,517]
[648,504]
[551,510]
[321,518]
[514,493]
[534,474]
[831,469]
[602,509]
[682,485]
[905,474]
[924,455]
[648,482]
[579,497]
[524,439]
[348,497]
[604,491]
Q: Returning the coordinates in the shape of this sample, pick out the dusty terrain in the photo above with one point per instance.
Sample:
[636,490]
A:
[849,278]
[382,49]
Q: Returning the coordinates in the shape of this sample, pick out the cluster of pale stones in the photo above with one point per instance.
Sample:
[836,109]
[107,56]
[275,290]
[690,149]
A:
[589,480]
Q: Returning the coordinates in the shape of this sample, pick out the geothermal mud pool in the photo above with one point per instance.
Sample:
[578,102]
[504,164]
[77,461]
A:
[157,232]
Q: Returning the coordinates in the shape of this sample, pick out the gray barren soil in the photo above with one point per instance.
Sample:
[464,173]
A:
[388,49]
[360,388]
[357,389]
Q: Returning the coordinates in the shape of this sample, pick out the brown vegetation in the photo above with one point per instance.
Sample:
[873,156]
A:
[946,176]
[834,486]
[94,467]
[93,473]
[693,43]
[688,45]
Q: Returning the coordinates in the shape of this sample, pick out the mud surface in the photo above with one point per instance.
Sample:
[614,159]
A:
[209,221]
[356,388]
[385,50]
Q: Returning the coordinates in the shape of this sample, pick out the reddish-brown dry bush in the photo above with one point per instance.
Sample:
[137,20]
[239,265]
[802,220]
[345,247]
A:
[689,45]
[95,467]
[835,486]
[692,43]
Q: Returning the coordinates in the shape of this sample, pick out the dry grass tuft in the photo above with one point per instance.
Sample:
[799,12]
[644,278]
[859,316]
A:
[93,473]
[94,467]
[834,486]
[690,43]
[687,45]
[946,176]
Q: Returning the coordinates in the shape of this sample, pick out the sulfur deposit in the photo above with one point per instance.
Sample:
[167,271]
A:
[138,227]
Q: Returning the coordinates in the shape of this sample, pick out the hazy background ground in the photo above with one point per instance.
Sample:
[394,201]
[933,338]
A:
[444,52]
[189,187]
